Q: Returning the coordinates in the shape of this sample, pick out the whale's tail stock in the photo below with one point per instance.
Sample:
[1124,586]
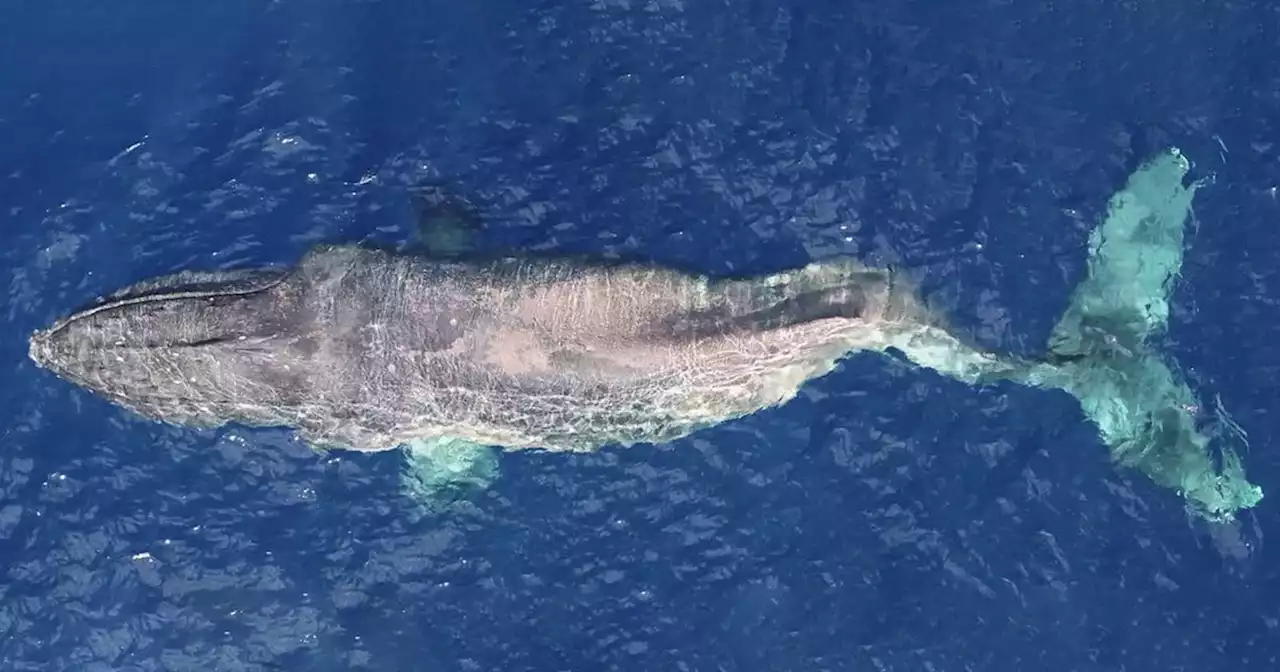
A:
[1101,351]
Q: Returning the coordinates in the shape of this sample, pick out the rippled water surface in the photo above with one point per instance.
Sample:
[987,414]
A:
[887,519]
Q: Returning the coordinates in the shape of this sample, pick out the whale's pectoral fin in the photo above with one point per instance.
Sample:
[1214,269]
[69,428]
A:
[1101,354]
[446,224]
[438,470]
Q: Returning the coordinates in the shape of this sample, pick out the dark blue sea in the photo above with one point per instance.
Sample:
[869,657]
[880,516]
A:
[886,520]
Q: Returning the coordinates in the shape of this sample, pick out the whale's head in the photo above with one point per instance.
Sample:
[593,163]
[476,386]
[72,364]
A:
[176,347]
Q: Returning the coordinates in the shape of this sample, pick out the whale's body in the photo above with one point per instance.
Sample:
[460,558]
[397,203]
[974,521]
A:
[368,350]
[364,349]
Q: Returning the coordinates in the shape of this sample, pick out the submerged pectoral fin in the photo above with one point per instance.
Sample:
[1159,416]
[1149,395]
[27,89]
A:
[436,469]
[446,225]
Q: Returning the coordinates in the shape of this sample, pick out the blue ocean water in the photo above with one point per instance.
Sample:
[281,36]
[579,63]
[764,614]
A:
[888,519]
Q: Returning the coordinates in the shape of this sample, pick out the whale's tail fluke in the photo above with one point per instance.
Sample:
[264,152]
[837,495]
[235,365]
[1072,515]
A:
[1101,350]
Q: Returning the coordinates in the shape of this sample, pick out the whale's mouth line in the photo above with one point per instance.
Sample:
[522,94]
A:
[265,279]
[194,343]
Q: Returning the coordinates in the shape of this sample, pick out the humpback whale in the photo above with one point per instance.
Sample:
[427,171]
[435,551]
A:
[366,349]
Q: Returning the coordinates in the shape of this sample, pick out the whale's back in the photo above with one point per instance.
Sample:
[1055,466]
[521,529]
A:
[557,354]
